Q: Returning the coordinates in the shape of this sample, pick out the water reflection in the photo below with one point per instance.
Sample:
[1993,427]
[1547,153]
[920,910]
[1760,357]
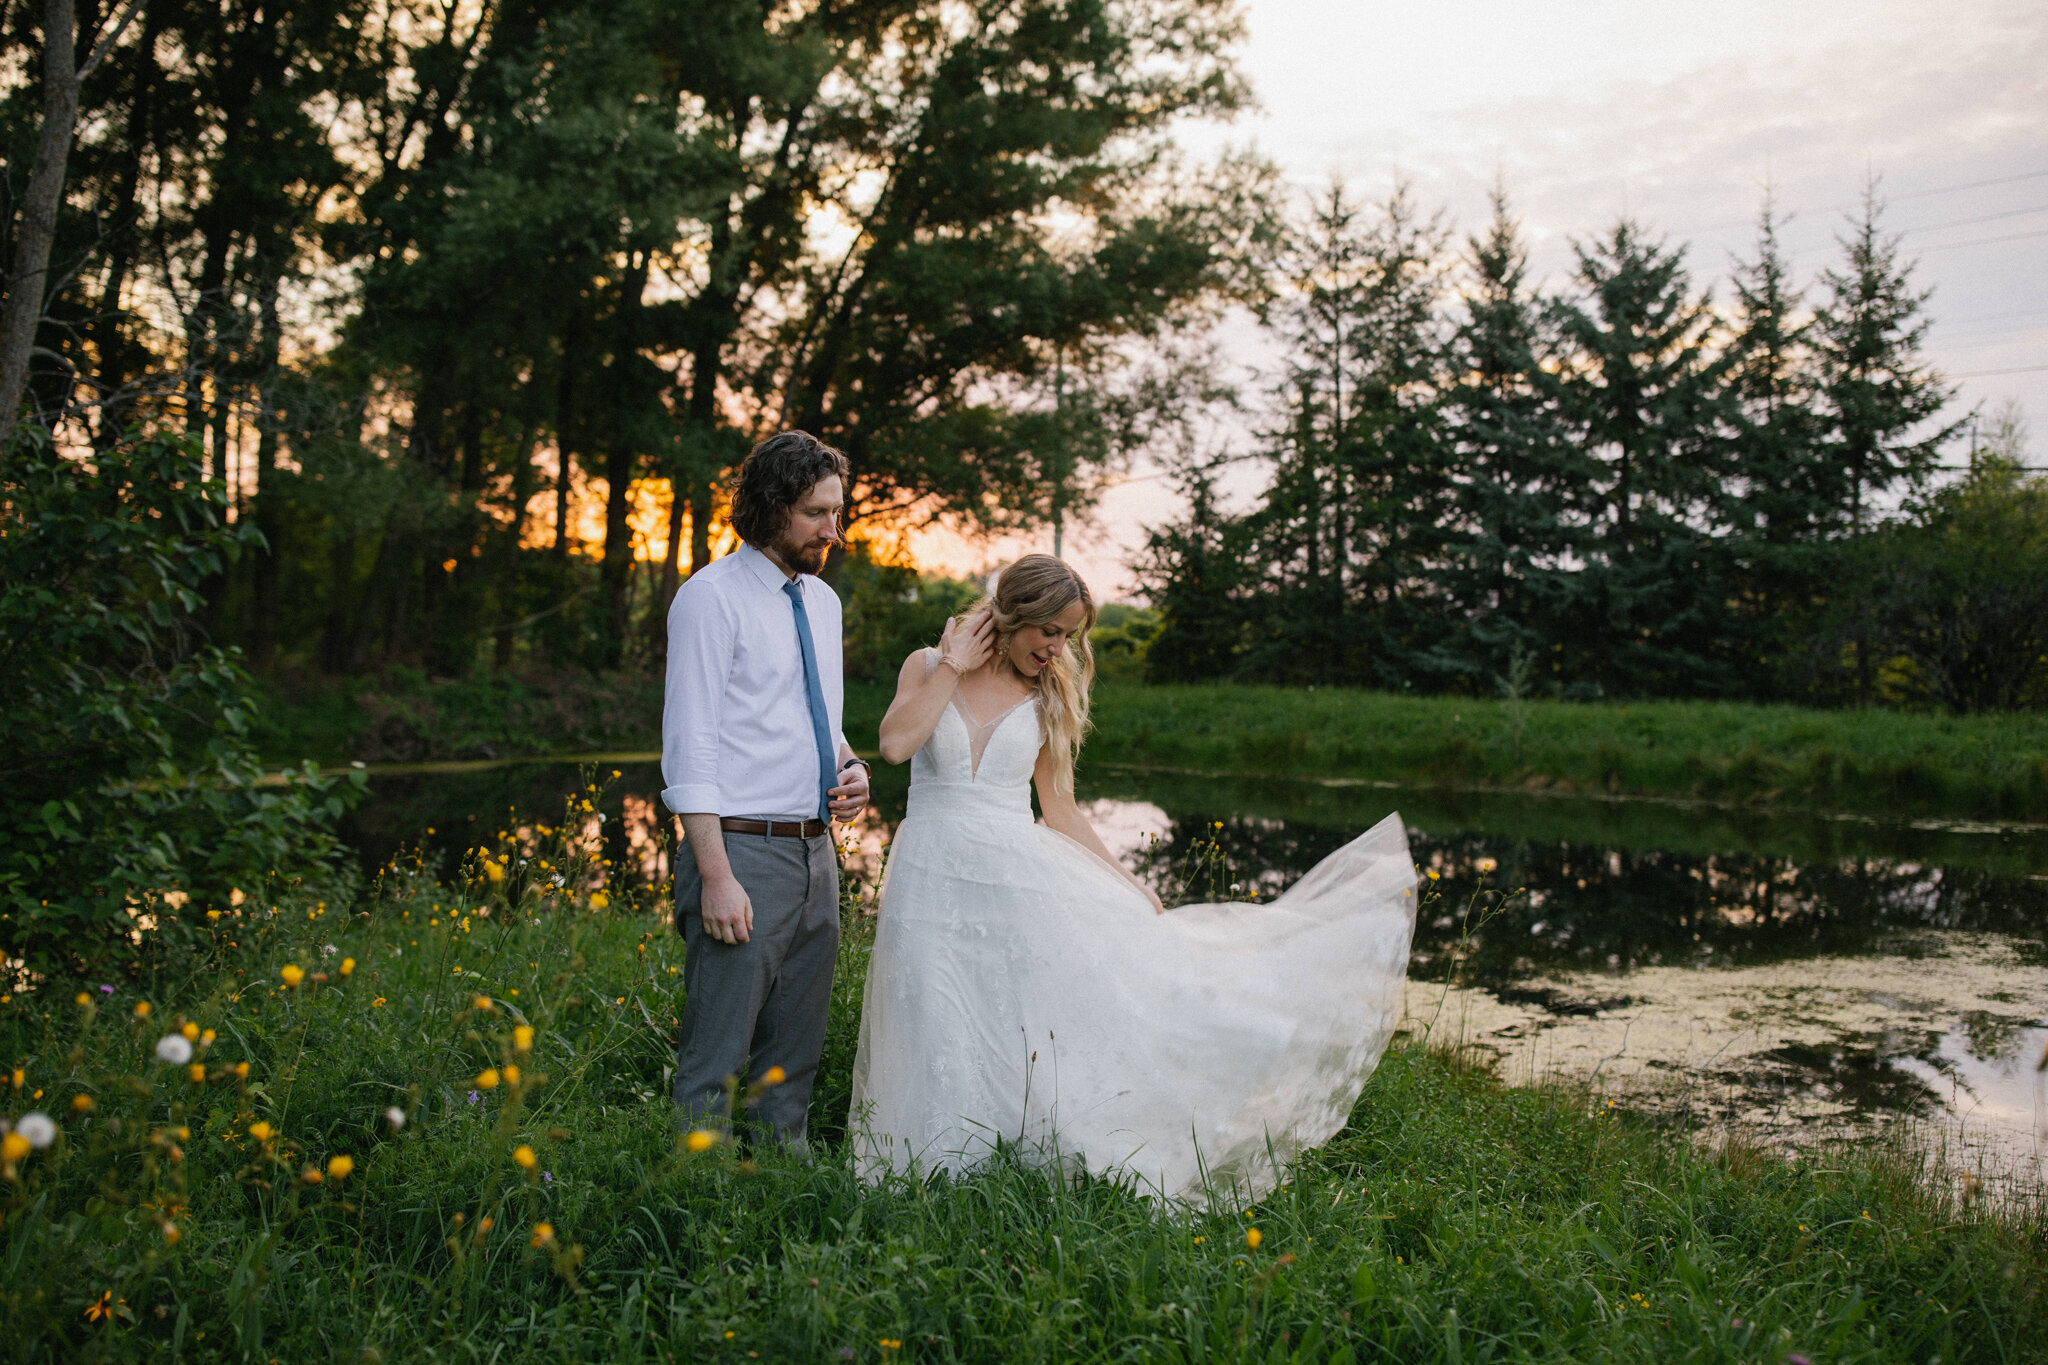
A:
[1789,973]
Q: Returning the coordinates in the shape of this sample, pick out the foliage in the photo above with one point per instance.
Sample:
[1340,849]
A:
[1639,492]
[132,802]
[1959,592]
[472,260]
[556,1214]
[1122,638]
[891,610]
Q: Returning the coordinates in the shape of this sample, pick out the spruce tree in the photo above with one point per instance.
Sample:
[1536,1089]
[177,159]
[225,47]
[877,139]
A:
[1514,532]
[1776,503]
[1644,392]
[1879,396]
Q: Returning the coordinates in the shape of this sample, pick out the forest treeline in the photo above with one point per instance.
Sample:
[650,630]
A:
[1623,487]
[407,271]
[416,279]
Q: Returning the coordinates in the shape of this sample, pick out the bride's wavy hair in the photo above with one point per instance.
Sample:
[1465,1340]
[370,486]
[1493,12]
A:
[1033,592]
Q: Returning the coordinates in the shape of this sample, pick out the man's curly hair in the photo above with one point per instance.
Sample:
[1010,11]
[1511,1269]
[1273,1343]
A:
[774,475]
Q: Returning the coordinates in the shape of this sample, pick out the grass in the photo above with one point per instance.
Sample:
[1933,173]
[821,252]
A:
[1454,1219]
[1880,762]
[1886,762]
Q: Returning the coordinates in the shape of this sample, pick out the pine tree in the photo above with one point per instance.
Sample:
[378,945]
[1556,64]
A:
[1777,504]
[1878,393]
[1877,390]
[1643,390]
[1514,475]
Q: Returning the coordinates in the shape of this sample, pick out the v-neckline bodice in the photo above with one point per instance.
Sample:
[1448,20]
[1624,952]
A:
[981,733]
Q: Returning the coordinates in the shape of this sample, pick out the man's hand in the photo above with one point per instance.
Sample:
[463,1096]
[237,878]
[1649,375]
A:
[728,914]
[850,797]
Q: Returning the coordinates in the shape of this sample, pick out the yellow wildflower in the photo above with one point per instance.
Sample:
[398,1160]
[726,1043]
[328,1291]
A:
[522,1037]
[483,1002]
[197,1071]
[292,973]
[242,1071]
[191,1031]
[543,1233]
[1252,1238]
[523,1155]
[348,964]
[339,1167]
[702,1141]
[511,1074]
[774,1075]
[262,1131]
[599,900]
[171,1233]
[487,1079]
[81,999]
[82,1103]
[142,1009]
[13,1148]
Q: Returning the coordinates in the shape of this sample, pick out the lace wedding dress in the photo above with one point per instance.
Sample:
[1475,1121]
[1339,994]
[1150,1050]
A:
[1022,992]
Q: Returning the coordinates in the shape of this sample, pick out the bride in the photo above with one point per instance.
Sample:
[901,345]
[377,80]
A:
[1026,990]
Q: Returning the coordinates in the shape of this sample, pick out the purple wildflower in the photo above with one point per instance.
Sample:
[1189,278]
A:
[475,1098]
[106,990]
[548,1176]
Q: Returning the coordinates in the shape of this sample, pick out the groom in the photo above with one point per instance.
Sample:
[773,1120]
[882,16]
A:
[754,762]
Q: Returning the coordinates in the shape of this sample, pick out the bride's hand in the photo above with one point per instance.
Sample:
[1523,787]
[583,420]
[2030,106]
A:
[969,641]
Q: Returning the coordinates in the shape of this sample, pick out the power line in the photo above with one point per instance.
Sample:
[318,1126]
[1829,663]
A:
[1983,241]
[1987,218]
[1973,185]
[1986,374]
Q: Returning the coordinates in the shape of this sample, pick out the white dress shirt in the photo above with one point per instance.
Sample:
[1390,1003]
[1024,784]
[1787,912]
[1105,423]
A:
[736,735]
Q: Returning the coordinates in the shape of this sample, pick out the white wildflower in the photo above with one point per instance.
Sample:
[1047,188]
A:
[395,1117]
[174,1048]
[329,950]
[38,1128]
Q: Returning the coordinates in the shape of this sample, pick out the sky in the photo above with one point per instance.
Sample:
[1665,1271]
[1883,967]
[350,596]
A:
[1676,114]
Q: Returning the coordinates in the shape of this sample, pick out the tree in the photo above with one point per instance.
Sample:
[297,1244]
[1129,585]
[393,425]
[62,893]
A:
[28,281]
[1646,395]
[1514,532]
[1877,391]
[1960,591]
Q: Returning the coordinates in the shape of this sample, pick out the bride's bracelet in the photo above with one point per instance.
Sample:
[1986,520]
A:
[959,669]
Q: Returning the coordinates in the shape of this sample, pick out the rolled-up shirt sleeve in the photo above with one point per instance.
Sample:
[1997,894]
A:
[700,657]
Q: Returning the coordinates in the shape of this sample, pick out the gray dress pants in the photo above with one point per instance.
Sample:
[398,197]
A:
[759,1004]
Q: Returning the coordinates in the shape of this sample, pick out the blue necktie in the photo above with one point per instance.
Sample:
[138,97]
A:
[815,693]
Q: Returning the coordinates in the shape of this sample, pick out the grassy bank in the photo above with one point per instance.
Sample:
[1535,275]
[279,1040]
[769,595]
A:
[1881,762]
[1877,761]
[553,1215]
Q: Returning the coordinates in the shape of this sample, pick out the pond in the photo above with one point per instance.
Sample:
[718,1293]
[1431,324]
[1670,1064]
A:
[1794,975]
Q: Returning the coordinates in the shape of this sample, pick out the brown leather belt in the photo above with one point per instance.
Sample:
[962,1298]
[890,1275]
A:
[790,829]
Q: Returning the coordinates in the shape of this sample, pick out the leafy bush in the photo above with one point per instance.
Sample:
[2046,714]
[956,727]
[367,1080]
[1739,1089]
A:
[891,610]
[131,801]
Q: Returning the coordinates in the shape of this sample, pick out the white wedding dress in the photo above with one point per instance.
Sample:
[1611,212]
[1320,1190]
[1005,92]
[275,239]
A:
[1022,992]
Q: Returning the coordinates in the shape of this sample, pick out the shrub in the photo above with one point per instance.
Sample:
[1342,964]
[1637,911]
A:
[130,798]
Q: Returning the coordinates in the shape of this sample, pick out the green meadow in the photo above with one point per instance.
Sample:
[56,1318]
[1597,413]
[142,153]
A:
[425,1118]
[1873,761]
[1885,762]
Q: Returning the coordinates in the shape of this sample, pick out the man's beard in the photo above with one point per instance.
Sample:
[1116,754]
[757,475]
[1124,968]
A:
[804,558]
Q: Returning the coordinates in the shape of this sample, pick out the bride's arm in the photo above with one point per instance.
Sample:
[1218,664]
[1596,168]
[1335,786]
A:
[922,690]
[1063,814]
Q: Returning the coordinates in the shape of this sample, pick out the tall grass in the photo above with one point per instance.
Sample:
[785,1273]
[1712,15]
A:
[1887,762]
[1454,1219]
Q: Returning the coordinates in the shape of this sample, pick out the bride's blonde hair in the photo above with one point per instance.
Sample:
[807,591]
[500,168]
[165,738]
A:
[1033,592]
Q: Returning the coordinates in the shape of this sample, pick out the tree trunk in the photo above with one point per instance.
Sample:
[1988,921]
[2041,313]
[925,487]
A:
[29,279]
[268,503]
[110,343]
[614,578]
[565,428]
